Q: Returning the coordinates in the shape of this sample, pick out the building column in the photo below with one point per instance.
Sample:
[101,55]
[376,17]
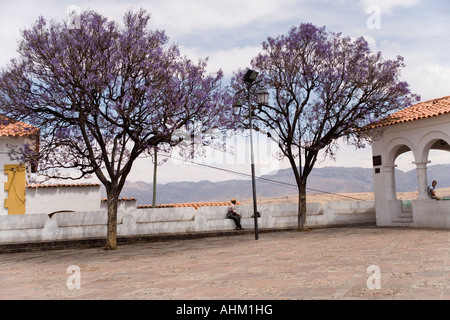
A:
[421,168]
[389,182]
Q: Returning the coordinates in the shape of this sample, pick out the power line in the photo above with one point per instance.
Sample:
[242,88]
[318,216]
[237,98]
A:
[259,178]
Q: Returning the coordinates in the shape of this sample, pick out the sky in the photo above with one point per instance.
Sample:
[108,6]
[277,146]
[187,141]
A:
[230,33]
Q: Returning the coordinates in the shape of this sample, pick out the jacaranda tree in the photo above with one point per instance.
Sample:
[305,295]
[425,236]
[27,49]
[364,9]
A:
[104,94]
[324,86]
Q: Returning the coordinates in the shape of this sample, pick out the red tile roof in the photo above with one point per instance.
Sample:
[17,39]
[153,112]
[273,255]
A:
[195,205]
[11,128]
[122,199]
[421,110]
[35,186]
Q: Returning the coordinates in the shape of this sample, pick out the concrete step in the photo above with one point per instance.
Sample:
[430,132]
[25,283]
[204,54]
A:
[404,218]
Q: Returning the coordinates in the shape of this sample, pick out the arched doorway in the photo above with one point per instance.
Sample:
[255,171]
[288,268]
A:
[406,180]
[400,152]
[436,154]
[400,181]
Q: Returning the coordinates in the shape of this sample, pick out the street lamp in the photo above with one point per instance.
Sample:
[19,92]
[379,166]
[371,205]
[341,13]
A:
[262,97]
[250,76]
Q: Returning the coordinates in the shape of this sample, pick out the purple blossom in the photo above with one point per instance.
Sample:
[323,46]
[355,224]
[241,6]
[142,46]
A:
[324,86]
[107,93]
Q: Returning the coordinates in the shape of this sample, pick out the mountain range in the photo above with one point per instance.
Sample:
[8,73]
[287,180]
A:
[279,184]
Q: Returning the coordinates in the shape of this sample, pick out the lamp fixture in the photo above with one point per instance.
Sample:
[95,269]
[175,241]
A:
[250,76]
[262,95]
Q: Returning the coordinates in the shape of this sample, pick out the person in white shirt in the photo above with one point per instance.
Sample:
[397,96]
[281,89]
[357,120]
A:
[432,191]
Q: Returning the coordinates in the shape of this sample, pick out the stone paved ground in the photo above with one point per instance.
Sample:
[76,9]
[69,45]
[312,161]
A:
[326,263]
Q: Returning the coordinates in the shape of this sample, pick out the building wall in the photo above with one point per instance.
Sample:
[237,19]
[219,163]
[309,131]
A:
[12,179]
[419,137]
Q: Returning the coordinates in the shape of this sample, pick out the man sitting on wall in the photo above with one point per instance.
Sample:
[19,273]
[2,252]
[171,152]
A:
[432,191]
[232,214]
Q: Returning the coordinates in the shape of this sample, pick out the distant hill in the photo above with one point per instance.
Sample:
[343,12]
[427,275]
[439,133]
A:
[328,179]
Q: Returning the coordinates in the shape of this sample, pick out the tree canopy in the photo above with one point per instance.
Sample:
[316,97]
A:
[324,86]
[106,93]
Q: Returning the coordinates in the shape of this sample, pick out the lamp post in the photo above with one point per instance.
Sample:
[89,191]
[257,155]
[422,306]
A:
[262,96]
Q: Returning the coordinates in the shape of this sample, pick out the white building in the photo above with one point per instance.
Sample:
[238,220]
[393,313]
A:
[419,129]
[18,197]
[13,180]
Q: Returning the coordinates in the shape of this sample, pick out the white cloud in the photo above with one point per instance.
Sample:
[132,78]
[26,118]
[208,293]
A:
[388,6]
[430,80]
[200,19]
[228,60]
[178,17]
[18,15]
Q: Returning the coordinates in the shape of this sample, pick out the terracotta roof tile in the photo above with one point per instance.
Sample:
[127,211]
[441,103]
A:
[421,110]
[35,186]
[11,128]
[122,199]
[195,205]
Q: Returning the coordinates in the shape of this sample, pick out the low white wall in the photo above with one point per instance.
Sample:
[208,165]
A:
[133,221]
[422,213]
[431,213]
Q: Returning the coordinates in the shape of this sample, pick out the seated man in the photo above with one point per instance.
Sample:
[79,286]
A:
[432,191]
[232,214]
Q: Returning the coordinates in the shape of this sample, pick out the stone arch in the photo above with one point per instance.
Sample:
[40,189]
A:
[396,147]
[432,140]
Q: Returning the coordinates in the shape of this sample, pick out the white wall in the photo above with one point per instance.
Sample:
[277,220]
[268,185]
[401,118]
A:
[5,159]
[133,221]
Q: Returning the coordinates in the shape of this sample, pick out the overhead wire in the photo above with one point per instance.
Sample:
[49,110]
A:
[260,178]
[290,185]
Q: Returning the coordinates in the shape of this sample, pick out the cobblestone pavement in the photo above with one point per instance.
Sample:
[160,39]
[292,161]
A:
[329,263]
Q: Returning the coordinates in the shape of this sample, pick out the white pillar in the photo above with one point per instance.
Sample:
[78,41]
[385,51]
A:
[421,168]
[389,182]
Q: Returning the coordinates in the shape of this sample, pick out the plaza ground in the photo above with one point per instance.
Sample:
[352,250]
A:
[328,263]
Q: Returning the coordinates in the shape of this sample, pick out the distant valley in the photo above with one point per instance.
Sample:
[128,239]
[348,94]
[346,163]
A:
[327,179]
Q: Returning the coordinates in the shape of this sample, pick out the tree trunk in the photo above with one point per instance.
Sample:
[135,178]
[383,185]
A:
[111,237]
[302,205]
